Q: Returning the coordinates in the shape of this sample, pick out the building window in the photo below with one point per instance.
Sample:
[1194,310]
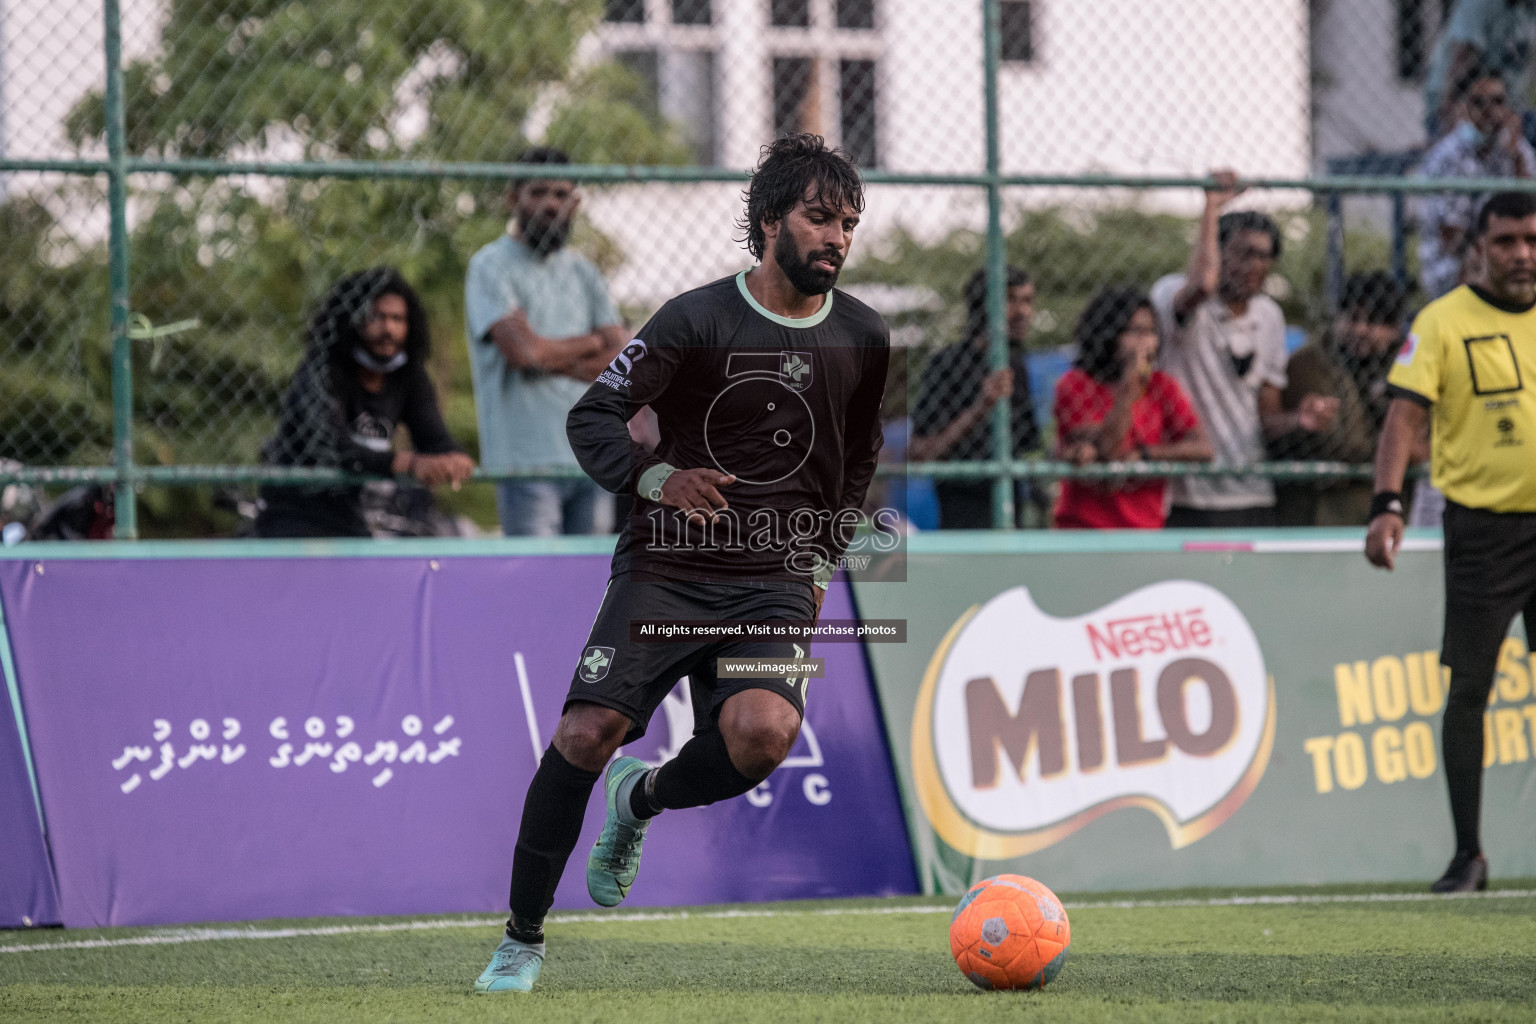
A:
[1419,22]
[1412,40]
[1018,36]
[856,102]
[794,96]
[688,100]
[855,13]
[790,13]
[692,12]
[646,66]
[625,11]
[679,86]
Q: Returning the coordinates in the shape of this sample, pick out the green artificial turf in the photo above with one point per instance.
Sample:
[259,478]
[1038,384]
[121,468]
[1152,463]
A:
[1332,956]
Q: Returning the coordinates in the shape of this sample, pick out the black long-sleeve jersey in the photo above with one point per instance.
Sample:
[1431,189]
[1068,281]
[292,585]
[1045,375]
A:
[790,407]
[329,419]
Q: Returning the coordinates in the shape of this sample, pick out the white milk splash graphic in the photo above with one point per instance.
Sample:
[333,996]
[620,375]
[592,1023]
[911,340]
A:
[1030,726]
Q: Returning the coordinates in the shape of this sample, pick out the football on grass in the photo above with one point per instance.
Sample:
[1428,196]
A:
[1009,932]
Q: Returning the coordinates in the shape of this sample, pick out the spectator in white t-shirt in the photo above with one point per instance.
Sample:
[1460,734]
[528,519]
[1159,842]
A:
[1225,343]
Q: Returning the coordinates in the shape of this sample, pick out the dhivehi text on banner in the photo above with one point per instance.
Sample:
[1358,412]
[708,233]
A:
[233,738]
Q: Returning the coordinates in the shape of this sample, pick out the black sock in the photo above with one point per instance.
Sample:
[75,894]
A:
[701,773]
[1461,742]
[552,815]
[641,799]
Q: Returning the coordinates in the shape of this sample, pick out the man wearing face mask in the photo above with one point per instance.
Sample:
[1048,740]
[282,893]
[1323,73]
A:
[1485,143]
[1491,33]
[541,328]
[364,374]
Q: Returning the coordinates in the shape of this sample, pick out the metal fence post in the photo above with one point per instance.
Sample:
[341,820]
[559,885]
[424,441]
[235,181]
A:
[997,278]
[1333,274]
[122,353]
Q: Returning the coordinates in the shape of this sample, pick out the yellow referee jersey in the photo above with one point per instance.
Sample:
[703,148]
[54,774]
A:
[1474,363]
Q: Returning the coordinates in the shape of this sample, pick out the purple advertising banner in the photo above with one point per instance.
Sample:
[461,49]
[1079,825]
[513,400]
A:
[228,739]
[27,897]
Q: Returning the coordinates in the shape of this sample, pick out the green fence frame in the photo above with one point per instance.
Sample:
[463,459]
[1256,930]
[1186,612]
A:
[119,166]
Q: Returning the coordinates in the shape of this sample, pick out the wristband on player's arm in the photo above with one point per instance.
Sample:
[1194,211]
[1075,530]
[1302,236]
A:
[1387,501]
[650,483]
[822,577]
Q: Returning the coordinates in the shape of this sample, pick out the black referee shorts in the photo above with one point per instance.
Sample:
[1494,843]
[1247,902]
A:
[634,675]
[1490,576]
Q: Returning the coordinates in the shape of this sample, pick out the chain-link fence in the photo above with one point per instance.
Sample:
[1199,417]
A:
[168,228]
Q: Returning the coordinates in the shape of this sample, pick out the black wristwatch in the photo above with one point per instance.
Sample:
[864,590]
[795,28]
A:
[1387,501]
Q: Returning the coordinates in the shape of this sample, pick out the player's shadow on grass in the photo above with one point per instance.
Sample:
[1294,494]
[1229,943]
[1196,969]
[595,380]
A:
[1365,979]
[618,964]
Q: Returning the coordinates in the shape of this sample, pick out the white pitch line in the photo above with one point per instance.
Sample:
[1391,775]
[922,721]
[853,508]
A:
[1291,900]
[184,935]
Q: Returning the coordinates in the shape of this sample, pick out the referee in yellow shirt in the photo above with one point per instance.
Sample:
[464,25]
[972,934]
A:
[1471,357]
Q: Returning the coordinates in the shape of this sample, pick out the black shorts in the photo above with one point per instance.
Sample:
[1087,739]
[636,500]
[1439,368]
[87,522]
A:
[1490,577]
[635,676]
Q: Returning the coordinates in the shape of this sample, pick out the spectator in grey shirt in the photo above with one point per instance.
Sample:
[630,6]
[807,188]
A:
[541,328]
[1224,340]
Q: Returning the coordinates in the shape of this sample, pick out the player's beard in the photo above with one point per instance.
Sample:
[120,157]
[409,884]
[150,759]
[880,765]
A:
[546,234]
[806,279]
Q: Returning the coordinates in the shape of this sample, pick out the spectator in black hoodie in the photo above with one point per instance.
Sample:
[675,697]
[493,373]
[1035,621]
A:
[364,374]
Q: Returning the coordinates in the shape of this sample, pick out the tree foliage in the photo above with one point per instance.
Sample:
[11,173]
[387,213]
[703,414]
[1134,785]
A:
[446,80]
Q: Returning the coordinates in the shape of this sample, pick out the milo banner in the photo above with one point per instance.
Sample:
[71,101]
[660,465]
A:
[1162,715]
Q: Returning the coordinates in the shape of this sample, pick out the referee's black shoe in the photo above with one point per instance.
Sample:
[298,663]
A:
[1467,873]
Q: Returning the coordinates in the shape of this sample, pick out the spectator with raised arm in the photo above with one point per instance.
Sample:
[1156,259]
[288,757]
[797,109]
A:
[541,328]
[1225,343]
[363,375]
[1113,406]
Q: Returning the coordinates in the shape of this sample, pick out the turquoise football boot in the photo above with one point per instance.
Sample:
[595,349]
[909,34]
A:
[514,967]
[615,858]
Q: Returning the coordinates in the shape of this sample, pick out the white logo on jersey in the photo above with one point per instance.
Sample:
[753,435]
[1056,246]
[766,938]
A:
[624,362]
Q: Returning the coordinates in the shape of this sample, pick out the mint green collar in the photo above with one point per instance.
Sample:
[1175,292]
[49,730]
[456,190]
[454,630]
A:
[784,321]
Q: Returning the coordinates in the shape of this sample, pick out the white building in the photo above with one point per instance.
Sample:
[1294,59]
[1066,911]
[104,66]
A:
[1369,61]
[1117,87]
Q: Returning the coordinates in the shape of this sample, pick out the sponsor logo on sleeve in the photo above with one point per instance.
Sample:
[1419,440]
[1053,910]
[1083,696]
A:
[624,362]
[617,374]
[1028,727]
[1410,346]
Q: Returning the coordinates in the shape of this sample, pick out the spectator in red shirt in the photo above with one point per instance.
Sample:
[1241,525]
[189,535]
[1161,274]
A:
[1112,406]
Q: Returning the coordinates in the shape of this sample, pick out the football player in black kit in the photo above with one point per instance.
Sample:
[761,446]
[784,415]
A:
[766,388]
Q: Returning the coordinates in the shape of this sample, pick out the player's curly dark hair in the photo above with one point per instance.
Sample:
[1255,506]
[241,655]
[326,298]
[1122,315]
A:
[791,167]
[1104,319]
[335,327]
